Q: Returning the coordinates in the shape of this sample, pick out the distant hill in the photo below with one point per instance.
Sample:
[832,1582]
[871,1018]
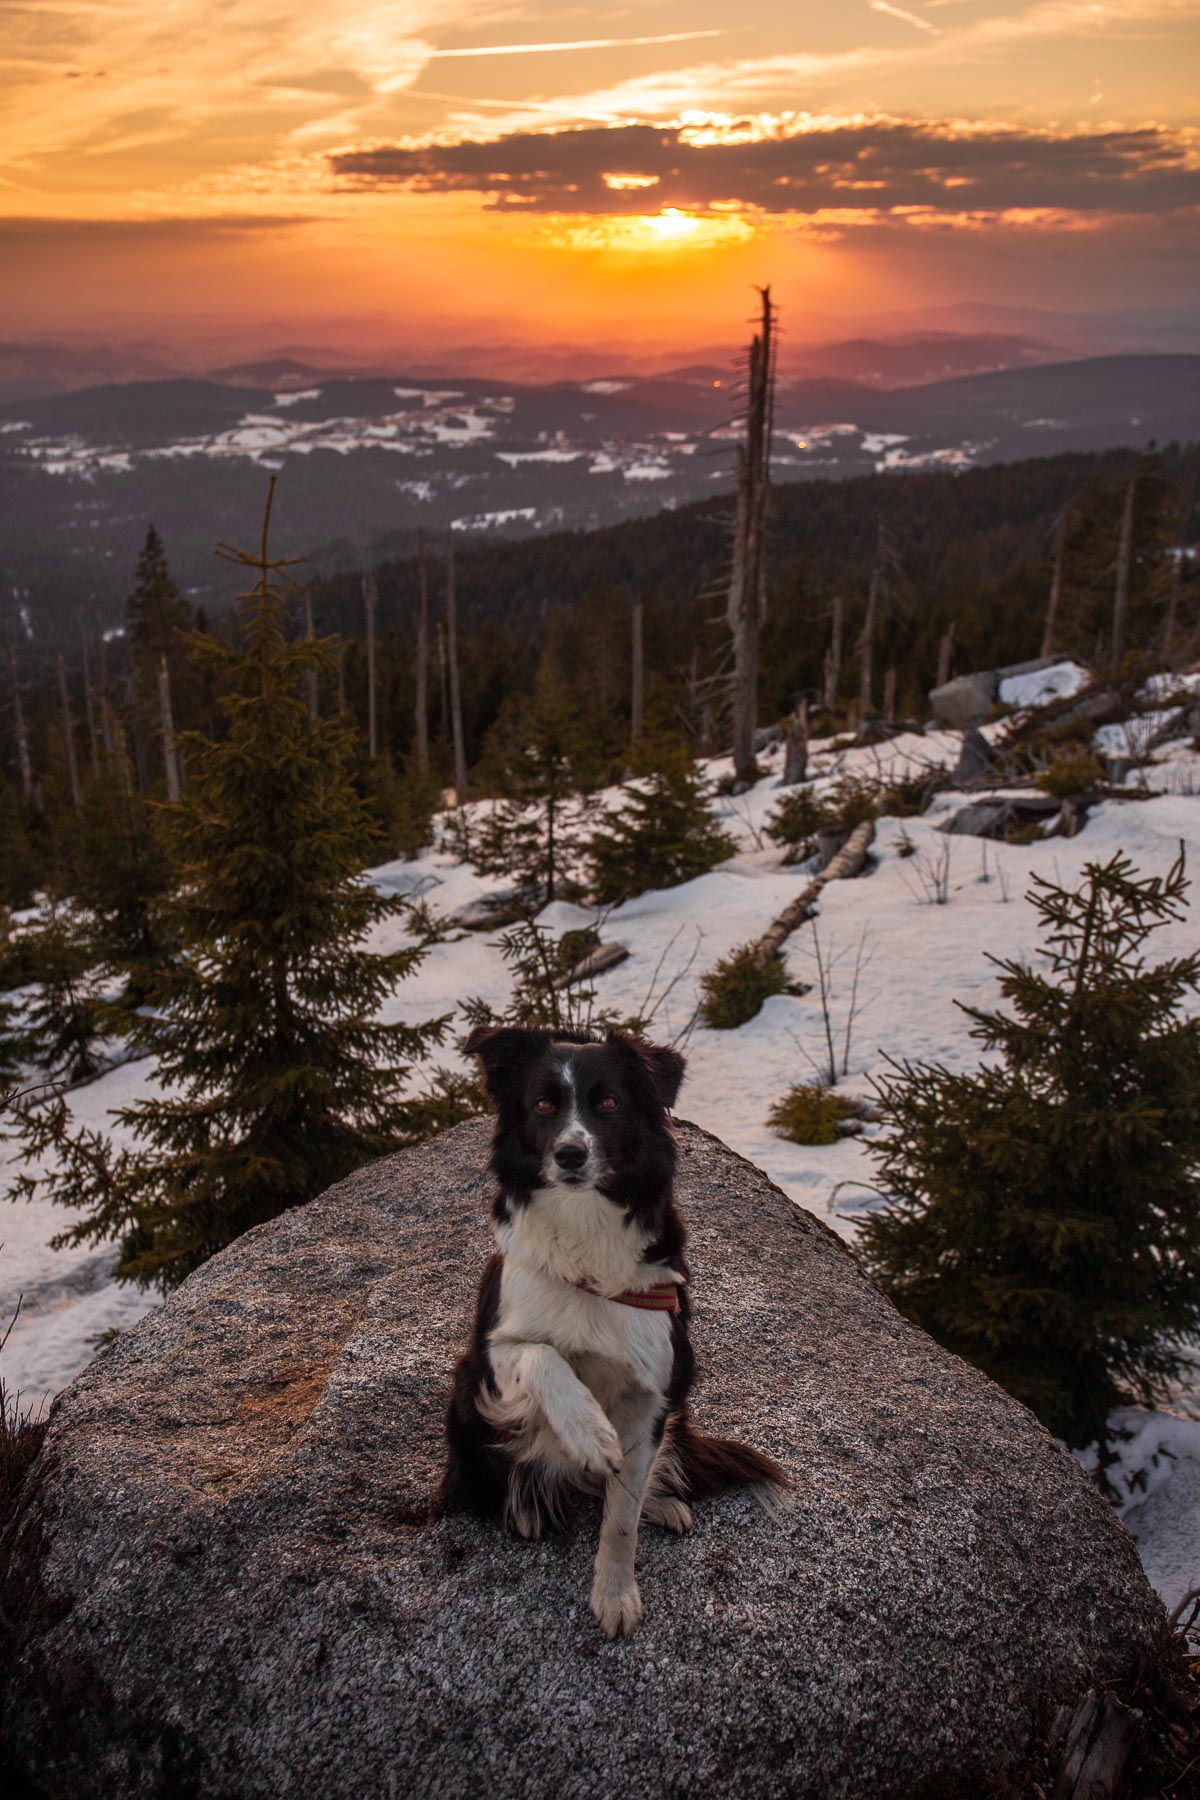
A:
[367,458]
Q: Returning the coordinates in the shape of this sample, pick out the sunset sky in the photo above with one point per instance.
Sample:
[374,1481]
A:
[372,173]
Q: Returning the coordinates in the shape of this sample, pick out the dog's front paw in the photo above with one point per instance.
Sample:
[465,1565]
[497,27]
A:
[590,1441]
[616,1604]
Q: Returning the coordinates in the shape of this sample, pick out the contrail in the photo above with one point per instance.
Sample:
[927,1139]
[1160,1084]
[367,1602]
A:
[614,43]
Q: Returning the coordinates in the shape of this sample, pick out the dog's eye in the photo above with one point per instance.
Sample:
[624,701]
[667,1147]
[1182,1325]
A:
[545,1105]
[606,1103]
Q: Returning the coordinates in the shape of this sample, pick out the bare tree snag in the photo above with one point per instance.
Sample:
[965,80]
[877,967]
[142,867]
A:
[370,588]
[638,697]
[889,696]
[422,659]
[833,656]
[885,566]
[945,654]
[795,755]
[456,724]
[1056,580]
[69,737]
[747,585]
[1172,618]
[24,761]
[310,634]
[89,701]
[849,861]
[167,718]
[1124,578]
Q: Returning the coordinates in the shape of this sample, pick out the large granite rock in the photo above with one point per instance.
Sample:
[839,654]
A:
[223,1582]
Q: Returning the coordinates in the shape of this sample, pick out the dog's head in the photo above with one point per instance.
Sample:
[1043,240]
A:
[575,1111]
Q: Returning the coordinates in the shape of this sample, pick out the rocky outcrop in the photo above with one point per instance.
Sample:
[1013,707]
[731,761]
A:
[224,1580]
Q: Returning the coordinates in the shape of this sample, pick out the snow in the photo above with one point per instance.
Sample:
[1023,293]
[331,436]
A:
[513,457]
[920,959]
[486,521]
[1041,686]
[647,471]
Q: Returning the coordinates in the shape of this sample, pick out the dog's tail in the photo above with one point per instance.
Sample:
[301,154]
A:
[711,1465]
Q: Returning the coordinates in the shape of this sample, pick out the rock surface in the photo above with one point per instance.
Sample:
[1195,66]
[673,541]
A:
[223,1582]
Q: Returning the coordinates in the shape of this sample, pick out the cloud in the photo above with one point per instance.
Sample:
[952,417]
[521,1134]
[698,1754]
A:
[798,165]
[75,233]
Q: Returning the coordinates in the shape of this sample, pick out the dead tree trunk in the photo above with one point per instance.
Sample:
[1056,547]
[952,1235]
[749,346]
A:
[638,695]
[1056,578]
[310,634]
[1172,619]
[849,861]
[747,586]
[833,656]
[1124,579]
[456,724]
[69,737]
[889,696]
[167,720]
[370,588]
[24,760]
[866,642]
[89,702]
[945,654]
[795,756]
[107,734]
[881,573]
[422,659]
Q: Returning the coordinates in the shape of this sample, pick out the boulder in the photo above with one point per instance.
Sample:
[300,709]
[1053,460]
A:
[224,1579]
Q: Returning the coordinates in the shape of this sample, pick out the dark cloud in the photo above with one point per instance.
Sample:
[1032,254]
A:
[36,231]
[877,164]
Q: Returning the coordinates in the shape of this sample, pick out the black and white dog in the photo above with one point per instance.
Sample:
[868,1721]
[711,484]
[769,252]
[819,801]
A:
[579,1366]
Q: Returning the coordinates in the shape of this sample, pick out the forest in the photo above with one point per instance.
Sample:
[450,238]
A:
[959,567]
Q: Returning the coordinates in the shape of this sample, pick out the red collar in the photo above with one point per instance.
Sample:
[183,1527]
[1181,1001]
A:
[662,1297]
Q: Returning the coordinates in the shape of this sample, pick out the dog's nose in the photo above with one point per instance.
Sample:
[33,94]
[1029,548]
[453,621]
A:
[570,1156]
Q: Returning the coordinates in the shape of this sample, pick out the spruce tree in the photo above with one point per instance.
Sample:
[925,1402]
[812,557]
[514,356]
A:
[64,1019]
[20,863]
[541,760]
[154,613]
[275,1075]
[1045,1221]
[11,1032]
[663,832]
[122,876]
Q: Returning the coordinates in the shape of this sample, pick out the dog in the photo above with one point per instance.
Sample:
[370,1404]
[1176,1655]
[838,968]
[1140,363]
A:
[579,1365]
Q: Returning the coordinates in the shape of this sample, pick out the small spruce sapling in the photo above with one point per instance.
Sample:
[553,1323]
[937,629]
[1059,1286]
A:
[1046,1209]
[662,833]
[541,759]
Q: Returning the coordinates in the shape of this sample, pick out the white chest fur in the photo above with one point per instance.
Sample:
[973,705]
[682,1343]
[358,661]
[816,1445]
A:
[567,1235]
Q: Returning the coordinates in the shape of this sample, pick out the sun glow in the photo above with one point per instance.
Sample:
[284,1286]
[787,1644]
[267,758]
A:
[670,229]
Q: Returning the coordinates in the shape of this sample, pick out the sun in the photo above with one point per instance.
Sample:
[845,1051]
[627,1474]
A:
[672,226]
[640,233]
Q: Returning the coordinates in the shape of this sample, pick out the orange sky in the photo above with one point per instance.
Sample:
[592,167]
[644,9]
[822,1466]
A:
[422,172]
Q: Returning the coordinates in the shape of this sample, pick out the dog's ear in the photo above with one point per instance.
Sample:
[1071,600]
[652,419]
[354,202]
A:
[664,1066]
[505,1052]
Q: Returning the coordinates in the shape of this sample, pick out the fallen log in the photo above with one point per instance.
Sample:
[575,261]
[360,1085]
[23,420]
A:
[596,962]
[849,861]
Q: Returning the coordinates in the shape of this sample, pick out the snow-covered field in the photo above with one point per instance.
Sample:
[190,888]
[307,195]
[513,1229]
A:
[919,959]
